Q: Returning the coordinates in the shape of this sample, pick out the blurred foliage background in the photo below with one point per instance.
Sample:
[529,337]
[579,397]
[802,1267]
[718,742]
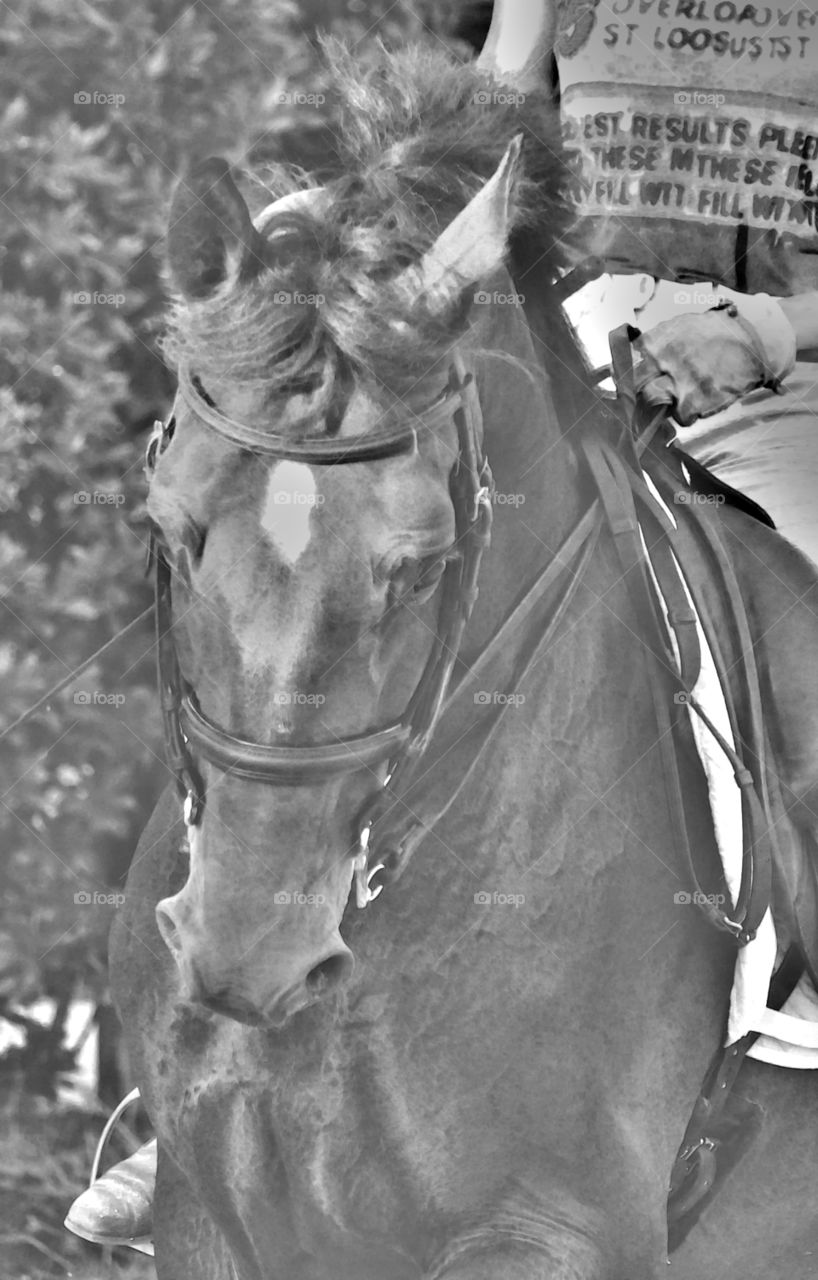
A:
[103,103]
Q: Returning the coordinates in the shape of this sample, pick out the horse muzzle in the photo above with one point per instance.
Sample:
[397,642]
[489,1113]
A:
[260,985]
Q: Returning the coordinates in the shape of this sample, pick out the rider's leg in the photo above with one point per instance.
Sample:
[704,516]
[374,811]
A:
[765,445]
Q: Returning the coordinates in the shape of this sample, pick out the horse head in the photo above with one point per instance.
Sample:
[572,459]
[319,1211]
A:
[306,590]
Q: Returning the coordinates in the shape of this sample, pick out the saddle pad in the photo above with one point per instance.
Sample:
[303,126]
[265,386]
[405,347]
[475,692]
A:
[789,1037]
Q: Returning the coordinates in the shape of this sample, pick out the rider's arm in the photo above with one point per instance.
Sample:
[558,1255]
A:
[703,362]
[518,48]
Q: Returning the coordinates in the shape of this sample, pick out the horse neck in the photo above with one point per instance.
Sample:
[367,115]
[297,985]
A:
[540,497]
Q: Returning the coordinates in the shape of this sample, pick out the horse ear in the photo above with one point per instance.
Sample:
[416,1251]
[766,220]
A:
[473,245]
[211,241]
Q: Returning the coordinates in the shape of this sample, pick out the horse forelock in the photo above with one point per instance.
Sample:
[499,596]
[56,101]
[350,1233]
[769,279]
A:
[326,314]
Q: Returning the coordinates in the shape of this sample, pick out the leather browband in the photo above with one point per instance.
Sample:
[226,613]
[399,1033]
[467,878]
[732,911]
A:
[362,448]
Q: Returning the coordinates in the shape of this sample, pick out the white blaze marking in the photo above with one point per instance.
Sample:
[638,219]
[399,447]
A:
[288,505]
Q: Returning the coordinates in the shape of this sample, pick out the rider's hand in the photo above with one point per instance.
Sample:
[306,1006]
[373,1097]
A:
[701,363]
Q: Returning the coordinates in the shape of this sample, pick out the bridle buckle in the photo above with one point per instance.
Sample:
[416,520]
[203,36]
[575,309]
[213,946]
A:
[363,874]
[190,809]
[482,498]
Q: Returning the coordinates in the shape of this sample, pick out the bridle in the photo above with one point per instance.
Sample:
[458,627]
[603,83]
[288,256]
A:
[189,732]
[410,802]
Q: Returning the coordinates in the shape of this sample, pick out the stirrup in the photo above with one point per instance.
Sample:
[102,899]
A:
[142,1244]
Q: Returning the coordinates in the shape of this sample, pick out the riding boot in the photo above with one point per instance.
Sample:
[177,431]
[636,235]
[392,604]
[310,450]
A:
[117,1209]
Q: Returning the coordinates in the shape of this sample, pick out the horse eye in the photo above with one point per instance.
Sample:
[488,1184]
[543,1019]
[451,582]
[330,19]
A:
[430,576]
[194,539]
[415,581]
[189,552]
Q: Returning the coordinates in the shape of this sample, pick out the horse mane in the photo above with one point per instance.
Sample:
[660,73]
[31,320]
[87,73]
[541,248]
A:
[418,136]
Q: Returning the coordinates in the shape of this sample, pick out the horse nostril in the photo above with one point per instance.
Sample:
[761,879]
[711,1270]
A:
[331,972]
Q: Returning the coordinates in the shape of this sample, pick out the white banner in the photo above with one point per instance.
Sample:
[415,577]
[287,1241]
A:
[692,111]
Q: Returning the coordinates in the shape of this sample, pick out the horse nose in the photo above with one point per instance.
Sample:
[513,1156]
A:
[253,994]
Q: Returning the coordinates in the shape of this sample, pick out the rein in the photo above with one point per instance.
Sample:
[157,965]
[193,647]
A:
[443,714]
[394,819]
[619,467]
[416,794]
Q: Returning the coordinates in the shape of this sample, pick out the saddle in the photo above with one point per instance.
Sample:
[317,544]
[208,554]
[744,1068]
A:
[686,552]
